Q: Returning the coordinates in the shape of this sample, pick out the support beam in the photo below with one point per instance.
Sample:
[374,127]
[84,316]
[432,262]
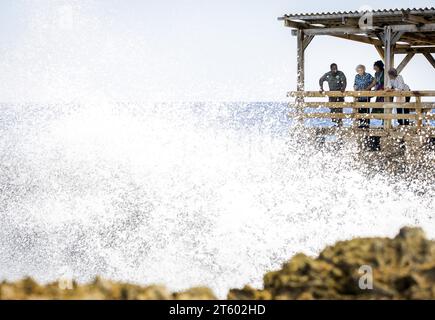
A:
[401,50]
[337,31]
[296,24]
[380,50]
[411,18]
[405,61]
[362,39]
[396,36]
[307,41]
[300,60]
[354,37]
[417,37]
[430,58]
[413,28]
[352,30]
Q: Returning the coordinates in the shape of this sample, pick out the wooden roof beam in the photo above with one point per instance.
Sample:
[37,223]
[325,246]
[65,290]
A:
[430,58]
[405,62]
[358,38]
[380,51]
[417,20]
[417,36]
[296,24]
[429,27]
[401,50]
[340,31]
[369,40]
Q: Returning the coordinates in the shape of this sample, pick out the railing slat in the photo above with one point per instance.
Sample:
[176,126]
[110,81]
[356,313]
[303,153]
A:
[380,116]
[360,105]
[318,94]
[421,111]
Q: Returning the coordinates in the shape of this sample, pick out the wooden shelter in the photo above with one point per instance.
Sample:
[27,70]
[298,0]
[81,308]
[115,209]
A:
[390,32]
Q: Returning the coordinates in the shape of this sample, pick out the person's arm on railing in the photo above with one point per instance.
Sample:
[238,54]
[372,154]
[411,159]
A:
[343,83]
[321,81]
[400,84]
[373,84]
[370,86]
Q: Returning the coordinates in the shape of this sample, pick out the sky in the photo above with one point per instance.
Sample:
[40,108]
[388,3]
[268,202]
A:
[179,50]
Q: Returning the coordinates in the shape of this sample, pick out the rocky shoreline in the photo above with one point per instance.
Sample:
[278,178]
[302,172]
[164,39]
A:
[362,268]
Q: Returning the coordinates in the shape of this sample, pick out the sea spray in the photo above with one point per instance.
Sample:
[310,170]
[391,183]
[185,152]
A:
[181,194]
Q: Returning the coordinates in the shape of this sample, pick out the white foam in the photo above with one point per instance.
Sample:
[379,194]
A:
[158,194]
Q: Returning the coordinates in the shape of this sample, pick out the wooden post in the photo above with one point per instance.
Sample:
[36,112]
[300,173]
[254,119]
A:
[300,86]
[388,53]
[419,112]
[300,60]
[389,63]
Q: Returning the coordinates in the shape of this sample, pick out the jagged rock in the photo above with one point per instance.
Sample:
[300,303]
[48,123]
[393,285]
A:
[199,293]
[249,293]
[99,289]
[402,268]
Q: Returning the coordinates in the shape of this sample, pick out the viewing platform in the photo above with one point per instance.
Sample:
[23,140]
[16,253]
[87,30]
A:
[421,112]
[418,135]
[392,33]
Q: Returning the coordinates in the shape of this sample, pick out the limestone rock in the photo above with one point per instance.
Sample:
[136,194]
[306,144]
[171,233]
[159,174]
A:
[402,268]
[198,293]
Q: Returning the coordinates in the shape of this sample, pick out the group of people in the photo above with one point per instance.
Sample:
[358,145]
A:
[364,81]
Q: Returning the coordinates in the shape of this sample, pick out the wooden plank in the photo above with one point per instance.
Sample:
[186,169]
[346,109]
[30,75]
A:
[295,24]
[381,15]
[337,31]
[362,39]
[361,105]
[411,18]
[429,27]
[317,94]
[401,50]
[417,38]
[379,116]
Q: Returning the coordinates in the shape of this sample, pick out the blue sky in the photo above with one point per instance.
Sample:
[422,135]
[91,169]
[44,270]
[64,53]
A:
[67,50]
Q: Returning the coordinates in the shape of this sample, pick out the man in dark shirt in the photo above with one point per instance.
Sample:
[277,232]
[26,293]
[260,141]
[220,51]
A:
[336,82]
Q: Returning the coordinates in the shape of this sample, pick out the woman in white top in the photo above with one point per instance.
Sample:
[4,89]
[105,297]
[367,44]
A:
[397,83]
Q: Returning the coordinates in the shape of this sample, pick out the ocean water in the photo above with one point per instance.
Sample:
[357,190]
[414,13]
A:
[181,194]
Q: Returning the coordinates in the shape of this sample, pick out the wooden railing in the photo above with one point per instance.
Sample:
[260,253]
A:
[422,116]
